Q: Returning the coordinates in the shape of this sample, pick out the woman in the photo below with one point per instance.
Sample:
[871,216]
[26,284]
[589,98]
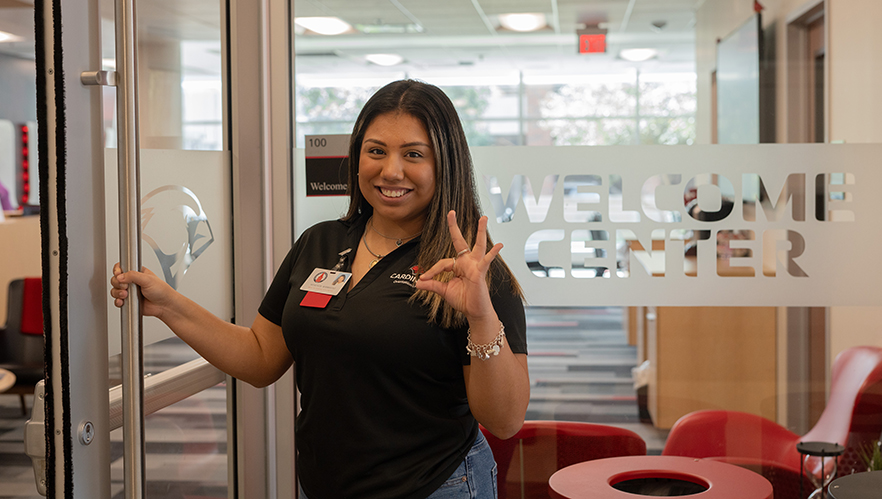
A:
[390,397]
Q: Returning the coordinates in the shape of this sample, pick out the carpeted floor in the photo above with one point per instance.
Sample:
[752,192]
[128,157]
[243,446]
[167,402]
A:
[580,367]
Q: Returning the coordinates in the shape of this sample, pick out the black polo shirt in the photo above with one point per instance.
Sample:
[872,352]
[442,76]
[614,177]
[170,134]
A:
[384,409]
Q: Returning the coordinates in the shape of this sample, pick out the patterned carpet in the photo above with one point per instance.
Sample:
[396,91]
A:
[580,367]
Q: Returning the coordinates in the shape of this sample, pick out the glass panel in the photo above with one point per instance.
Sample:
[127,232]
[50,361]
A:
[773,359]
[186,230]
[185,224]
[180,75]
[19,241]
[186,443]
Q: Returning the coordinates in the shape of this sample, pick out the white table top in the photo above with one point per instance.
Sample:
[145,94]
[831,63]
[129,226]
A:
[7,379]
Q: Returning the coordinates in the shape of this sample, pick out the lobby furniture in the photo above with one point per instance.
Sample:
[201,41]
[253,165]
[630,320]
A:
[20,253]
[851,418]
[527,460]
[856,486]
[21,339]
[7,380]
[632,477]
[708,358]
[822,450]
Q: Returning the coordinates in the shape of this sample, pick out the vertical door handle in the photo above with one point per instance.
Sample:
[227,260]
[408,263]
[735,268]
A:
[128,163]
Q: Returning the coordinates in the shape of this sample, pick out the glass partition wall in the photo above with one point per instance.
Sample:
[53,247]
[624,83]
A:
[640,74]
[530,88]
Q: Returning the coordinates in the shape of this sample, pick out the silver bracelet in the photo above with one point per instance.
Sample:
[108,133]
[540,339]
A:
[484,352]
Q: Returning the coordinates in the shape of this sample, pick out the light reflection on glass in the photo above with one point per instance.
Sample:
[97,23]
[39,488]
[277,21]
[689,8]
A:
[578,190]
[537,208]
[590,245]
[649,197]
[780,249]
[531,253]
[792,192]
[651,256]
[713,192]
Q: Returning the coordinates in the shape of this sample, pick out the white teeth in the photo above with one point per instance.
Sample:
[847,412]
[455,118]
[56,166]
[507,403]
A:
[393,194]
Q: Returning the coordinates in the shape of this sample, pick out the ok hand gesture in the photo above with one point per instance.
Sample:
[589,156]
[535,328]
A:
[467,290]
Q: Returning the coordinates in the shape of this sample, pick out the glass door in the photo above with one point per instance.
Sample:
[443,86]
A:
[186,236]
[190,193]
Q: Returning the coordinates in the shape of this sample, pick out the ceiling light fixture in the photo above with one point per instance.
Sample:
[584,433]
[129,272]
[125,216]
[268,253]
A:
[323,25]
[523,22]
[384,59]
[638,55]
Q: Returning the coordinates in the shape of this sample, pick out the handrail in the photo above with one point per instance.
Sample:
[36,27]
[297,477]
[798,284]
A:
[168,387]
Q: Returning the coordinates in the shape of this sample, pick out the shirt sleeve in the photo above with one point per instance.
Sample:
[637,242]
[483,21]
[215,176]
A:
[510,310]
[273,303]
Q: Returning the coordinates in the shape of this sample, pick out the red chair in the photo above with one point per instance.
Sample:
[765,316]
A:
[852,418]
[21,340]
[527,460]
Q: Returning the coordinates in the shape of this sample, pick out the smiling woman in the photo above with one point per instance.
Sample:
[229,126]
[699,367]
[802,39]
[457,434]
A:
[414,246]
[397,174]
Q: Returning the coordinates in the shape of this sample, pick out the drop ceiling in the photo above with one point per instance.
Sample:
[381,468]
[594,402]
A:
[451,35]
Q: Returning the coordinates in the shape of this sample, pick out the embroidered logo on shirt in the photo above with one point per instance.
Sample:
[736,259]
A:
[409,279]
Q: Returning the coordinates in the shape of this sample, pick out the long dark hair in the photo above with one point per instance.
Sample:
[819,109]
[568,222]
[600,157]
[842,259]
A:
[454,180]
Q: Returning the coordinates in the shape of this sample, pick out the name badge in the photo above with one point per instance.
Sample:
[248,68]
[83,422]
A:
[327,282]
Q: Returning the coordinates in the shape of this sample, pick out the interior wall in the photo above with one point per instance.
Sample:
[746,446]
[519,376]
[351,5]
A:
[715,19]
[853,111]
[21,259]
[855,108]
[18,78]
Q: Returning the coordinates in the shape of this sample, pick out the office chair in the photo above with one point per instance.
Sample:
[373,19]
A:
[852,418]
[21,340]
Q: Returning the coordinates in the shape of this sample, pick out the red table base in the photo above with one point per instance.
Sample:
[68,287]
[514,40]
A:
[596,479]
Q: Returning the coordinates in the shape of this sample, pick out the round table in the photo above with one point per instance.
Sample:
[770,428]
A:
[632,477]
[7,379]
[856,486]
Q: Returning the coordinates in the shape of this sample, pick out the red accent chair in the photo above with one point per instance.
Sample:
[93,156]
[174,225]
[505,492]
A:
[527,460]
[852,418]
[21,340]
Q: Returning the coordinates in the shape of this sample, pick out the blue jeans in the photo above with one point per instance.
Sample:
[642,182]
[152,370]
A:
[475,478]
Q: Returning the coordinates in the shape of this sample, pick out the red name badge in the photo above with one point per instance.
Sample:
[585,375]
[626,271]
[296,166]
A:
[315,300]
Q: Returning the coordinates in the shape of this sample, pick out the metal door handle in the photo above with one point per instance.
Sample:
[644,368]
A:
[35,438]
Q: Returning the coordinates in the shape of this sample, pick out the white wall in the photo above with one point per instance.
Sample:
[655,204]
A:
[855,67]
[716,19]
[8,159]
[18,78]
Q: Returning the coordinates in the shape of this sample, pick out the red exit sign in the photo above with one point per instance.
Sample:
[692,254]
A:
[592,44]
[592,40]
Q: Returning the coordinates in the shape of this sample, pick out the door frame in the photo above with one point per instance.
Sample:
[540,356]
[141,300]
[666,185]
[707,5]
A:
[260,455]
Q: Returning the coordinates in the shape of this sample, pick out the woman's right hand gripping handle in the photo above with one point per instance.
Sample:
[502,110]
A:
[156,294]
[257,355]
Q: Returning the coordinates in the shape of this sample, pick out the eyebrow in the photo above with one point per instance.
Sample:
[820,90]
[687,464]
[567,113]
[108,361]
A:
[409,144]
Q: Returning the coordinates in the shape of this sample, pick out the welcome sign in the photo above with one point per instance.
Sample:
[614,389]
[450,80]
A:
[767,225]
[741,225]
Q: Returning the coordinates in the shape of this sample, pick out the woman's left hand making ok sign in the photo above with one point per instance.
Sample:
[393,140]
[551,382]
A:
[466,291]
